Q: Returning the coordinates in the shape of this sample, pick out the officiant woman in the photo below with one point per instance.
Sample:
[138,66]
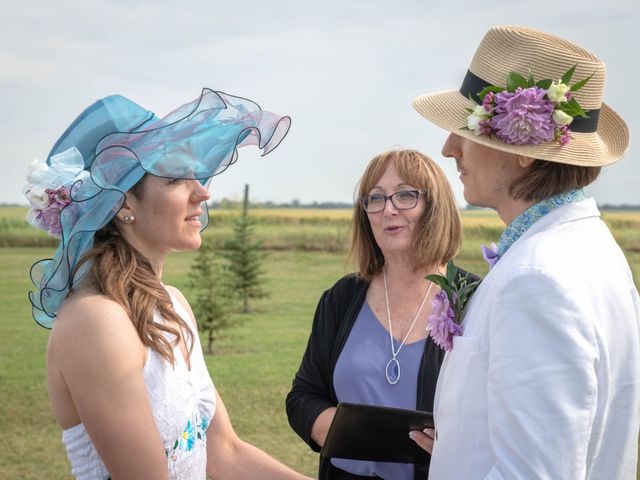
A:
[369,342]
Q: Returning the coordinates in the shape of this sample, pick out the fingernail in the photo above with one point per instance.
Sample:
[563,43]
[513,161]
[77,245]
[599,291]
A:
[412,435]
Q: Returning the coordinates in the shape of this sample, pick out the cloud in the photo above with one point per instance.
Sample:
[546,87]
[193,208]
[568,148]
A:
[345,71]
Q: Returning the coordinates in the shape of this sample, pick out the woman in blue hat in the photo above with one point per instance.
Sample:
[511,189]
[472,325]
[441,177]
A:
[127,380]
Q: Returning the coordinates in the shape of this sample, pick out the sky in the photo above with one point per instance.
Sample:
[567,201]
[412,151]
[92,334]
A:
[344,70]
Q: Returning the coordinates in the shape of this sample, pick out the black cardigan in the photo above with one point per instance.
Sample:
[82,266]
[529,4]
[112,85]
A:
[312,391]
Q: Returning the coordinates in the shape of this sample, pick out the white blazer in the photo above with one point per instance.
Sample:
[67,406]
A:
[544,383]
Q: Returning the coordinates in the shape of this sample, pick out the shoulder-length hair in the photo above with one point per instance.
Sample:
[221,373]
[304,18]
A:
[438,237]
[546,179]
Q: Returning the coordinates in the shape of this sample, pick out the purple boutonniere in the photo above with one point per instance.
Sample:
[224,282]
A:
[449,305]
[490,254]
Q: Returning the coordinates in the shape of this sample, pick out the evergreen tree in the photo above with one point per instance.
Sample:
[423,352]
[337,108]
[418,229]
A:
[212,297]
[245,262]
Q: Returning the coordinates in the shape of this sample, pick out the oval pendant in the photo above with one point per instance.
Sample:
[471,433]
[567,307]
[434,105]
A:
[392,371]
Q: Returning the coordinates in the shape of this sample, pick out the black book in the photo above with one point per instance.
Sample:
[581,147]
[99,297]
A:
[381,434]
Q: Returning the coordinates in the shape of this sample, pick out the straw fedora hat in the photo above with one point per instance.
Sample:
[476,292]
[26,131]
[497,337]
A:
[601,139]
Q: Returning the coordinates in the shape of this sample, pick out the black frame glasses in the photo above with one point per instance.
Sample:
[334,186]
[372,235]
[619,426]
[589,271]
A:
[414,195]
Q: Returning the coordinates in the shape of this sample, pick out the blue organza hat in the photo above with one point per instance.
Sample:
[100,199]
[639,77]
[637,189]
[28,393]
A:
[107,150]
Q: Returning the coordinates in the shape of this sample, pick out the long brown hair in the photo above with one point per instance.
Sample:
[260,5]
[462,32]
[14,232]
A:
[122,274]
[438,237]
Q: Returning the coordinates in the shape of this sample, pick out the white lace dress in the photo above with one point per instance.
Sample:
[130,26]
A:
[183,403]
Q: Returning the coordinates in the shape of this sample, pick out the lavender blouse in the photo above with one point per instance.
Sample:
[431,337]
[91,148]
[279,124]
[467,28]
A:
[359,377]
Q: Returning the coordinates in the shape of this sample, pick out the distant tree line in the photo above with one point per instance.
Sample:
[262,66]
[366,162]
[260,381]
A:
[604,206]
[624,206]
[226,203]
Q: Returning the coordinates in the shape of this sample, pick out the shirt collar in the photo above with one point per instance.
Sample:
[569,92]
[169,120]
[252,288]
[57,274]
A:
[531,215]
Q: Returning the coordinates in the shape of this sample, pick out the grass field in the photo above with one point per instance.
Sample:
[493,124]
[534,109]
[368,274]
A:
[257,358]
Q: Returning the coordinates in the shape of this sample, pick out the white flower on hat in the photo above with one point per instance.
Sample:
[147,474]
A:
[562,118]
[36,196]
[478,114]
[33,190]
[557,92]
[48,188]
[37,171]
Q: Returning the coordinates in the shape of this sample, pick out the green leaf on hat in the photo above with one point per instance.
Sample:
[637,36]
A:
[515,80]
[544,84]
[577,86]
[490,88]
[577,108]
[573,108]
[530,81]
[568,109]
[566,78]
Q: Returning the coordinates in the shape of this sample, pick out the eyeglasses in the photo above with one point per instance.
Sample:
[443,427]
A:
[402,200]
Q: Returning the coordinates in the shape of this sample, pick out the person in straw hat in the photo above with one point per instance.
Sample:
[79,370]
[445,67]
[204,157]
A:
[543,380]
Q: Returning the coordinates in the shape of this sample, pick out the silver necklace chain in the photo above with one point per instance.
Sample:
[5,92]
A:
[394,377]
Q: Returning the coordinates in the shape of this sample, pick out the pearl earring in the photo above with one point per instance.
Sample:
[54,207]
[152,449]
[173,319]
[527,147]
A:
[128,218]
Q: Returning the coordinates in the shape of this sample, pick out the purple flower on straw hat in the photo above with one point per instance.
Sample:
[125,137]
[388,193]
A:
[527,112]
[487,102]
[523,117]
[563,135]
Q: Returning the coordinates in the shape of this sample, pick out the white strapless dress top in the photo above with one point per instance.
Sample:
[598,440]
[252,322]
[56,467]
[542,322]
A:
[183,403]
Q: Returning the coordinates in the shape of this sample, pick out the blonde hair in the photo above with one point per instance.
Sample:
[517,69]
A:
[438,237]
[122,274]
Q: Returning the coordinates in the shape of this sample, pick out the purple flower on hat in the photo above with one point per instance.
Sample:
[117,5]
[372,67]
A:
[484,127]
[441,322]
[563,135]
[487,101]
[60,197]
[48,218]
[527,112]
[523,117]
[48,189]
